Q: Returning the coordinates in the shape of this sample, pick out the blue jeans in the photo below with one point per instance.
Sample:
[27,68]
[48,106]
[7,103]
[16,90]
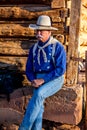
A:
[34,113]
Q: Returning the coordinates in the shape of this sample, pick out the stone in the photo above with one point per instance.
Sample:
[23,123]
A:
[9,127]
[9,115]
[65,106]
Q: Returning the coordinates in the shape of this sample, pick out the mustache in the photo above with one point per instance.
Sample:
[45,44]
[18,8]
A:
[39,36]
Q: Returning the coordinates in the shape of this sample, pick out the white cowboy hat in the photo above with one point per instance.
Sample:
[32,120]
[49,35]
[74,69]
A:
[43,23]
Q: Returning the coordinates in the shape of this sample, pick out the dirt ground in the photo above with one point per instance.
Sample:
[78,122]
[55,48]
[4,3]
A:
[48,125]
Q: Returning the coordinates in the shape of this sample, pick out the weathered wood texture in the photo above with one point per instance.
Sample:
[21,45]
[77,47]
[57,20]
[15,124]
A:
[52,3]
[32,12]
[22,30]
[58,3]
[86,90]
[25,2]
[72,66]
[15,30]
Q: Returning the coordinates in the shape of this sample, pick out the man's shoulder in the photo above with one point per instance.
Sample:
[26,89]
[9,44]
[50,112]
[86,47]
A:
[57,43]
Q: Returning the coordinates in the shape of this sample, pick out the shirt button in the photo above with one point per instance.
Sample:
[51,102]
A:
[50,54]
[48,60]
[48,67]
[39,69]
[51,48]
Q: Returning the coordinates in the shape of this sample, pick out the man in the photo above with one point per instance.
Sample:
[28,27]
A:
[45,68]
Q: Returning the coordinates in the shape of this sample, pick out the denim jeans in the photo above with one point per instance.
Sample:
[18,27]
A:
[34,113]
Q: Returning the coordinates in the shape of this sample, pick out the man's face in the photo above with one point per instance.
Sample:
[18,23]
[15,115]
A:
[43,35]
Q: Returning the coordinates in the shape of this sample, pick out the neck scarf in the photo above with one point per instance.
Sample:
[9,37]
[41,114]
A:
[43,52]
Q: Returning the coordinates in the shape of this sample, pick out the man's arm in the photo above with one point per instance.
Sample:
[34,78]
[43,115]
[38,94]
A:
[29,67]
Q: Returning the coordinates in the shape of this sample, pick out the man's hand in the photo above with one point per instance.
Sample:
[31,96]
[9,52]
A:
[37,82]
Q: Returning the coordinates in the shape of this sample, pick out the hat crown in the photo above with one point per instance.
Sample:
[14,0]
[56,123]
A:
[43,23]
[44,20]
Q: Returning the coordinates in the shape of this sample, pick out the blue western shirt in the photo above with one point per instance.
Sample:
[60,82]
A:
[48,68]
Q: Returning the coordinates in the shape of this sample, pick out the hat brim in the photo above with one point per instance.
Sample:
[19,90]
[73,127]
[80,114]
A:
[36,27]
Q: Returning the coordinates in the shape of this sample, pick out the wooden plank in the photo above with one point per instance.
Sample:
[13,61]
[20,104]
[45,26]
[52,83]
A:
[86,89]
[58,4]
[18,47]
[25,24]
[28,13]
[14,52]
[46,2]
[68,4]
[22,30]
[72,66]
[16,62]
[15,30]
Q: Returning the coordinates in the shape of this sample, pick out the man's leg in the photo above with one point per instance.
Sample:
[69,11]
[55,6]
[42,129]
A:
[31,113]
[37,125]
[36,102]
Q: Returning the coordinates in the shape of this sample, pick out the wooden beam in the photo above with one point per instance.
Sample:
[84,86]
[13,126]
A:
[19,62]
[23,30]
[46,2]
[72,66]
[58,4]
[86,89]
[15,30]
[32,12]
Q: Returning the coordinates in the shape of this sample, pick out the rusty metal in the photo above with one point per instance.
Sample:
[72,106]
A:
[77,59]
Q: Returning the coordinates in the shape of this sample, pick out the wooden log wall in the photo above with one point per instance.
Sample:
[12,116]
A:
[15,36]
[73,52]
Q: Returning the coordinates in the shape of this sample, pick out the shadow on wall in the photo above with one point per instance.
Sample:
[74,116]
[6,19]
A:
[10,79]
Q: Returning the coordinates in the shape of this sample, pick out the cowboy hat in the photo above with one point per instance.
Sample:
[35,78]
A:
[43,23]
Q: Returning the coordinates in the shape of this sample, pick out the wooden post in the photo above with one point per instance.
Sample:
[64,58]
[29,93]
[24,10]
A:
[72,66]
[86,88]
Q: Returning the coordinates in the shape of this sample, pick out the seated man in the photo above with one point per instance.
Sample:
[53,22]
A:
[45,68]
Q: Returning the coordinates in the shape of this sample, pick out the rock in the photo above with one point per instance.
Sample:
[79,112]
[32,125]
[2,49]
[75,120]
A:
[9,127]
[10,115]
[65,106]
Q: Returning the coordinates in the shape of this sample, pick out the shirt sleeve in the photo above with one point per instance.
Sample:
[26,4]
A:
[29,66]
[60,64]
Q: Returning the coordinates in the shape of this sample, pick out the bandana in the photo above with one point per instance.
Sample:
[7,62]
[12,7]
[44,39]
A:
[43,52]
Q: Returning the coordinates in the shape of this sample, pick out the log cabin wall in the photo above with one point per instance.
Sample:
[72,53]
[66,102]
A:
[15,36]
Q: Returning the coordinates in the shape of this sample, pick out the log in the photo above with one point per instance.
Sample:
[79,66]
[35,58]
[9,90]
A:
[58,4]
[16,46]
[46,2]
[29,12]
[15,30]
[22,30]
[13,62]
[86,90]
